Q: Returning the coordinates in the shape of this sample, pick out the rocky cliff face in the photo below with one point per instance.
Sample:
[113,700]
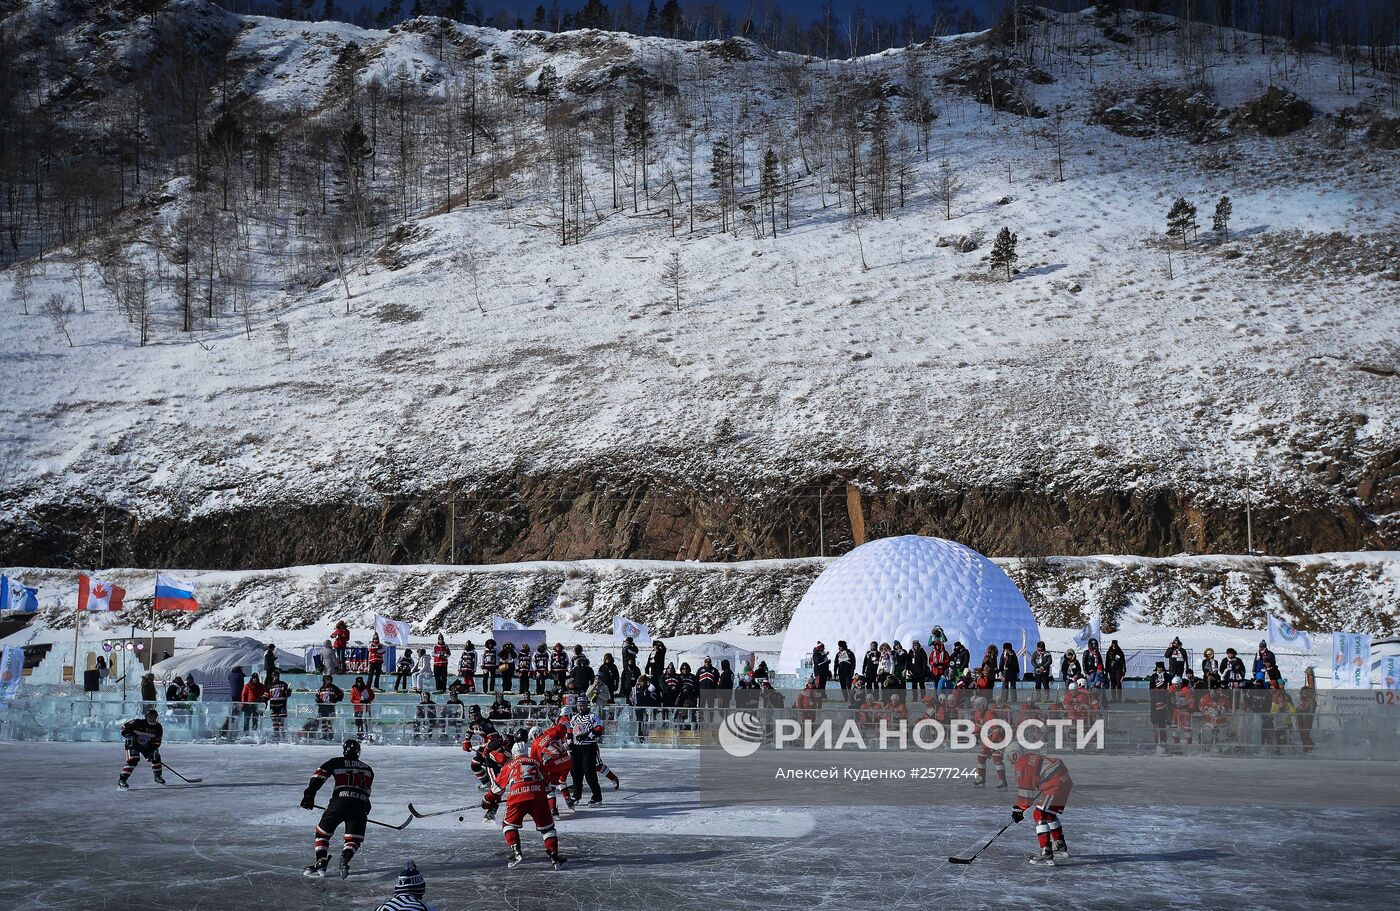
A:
[1337,591]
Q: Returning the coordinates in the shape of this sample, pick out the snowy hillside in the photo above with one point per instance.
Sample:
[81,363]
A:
[574,403]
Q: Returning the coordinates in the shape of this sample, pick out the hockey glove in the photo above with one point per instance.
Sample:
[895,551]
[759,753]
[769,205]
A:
[1018,814]
[308,801]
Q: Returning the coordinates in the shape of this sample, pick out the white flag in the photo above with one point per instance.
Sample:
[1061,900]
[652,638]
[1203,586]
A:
[391,632]
[622,628]
[502,625]
[1390,672]
[1090,631]
[11,672]
[1283,634]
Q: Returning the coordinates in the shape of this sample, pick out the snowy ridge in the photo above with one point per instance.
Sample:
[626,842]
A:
[1091,372]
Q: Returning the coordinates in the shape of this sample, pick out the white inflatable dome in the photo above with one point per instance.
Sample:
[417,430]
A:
[900,588]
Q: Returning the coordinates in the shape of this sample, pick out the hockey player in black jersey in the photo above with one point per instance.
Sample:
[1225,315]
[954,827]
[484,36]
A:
[142,737]
[349,805]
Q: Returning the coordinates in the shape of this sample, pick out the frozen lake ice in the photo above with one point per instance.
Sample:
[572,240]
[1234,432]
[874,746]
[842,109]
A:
[238,841]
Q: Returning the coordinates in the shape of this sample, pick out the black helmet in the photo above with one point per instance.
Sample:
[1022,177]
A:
[352,748]
[152,713]
[474,710]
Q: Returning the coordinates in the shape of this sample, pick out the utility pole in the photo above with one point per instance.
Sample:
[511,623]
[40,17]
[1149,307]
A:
[452,535]
[821,526]
[102,547]
[1248,512]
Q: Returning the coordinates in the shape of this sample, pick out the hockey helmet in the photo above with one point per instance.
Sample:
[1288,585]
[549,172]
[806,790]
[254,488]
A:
[474,710]
[566,712]
[351,749]
[520,749]
[979,703]
[535,732]
[1012,752]
[581,704]
[1071,685]
[1176,681]
[493,738]
[152,714]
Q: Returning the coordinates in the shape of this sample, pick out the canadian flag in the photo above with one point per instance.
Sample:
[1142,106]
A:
[97,595]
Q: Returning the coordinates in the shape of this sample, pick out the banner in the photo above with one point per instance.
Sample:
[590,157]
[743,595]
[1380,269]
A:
[15,596]
[174,594]
[1390,672]
[11,672]
[1351,661]
[390,632]
[501,624]
[1283,634]
[622,628]
[97,595]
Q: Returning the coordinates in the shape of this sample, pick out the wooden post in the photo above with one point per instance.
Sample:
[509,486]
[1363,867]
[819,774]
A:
[77,626]
[853,508]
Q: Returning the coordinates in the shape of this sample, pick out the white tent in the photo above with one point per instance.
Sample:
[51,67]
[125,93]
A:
[899,589]
[211,660]
[717,651]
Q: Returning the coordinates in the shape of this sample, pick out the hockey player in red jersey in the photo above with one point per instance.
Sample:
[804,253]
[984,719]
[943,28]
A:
[521,782]
[488,755]
[550,749]
[982,713]
[1042,786]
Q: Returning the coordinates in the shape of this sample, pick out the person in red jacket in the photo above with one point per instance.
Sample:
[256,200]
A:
[251,698]
[361,695]
[376,663]
[1042,786]
[938,659]
[340,640]
[983,712]
[522,783]
[440,655]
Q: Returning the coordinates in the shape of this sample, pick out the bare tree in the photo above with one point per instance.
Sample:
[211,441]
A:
[24,284]
[673,276]
[946,186]
[58,312]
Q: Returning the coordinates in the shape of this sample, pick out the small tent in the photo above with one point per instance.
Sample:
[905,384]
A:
[211,660]
[717,651]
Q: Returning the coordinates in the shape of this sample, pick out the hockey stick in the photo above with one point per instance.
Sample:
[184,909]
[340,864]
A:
[968,860]
[375,822]
[181,777]
[419,815]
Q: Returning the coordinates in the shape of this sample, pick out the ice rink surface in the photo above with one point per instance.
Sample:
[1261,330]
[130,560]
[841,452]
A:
[71,840]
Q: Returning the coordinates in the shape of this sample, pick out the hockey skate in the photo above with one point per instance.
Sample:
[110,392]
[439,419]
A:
[121,783]
[345,866]
[558,860]
[1046,858]
[979,783]
[316,868]
[1061,849]
[489,816]
[1001,786]
[595,802]
[160,779]
[516,856]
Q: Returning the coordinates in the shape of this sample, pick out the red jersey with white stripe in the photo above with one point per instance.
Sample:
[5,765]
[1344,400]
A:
[1040,776]
[551,751]
[521,781]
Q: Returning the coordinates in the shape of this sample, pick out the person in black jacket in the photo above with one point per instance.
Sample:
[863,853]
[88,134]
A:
[821,665]
[918,666]
[1161,703]
[629,650]
[707,679]
[726,684]
[1176,658]
[958,660]
[688,696]
[582,672]
[142,737]
[656,663]
[870,666]
[1116,667]
[629,677]
[1009,667]
[845,667]
[609,675]
[670,687]
[558,666]
[1070,668]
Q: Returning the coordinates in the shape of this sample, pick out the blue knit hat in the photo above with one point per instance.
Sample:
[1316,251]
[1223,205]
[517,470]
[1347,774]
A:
[410,881]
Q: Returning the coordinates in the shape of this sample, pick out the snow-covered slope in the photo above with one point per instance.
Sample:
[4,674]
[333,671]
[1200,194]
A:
[1094,403]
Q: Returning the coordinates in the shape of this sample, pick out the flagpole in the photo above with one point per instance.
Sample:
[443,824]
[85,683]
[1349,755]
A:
[77,624]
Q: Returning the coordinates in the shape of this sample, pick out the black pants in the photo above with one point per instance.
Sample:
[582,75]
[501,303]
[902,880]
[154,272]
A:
[440,676]
[342,811]
[488,680]
[585,757]
[539,683]
[917,683]
[1042,680]
[1115,684]
[376,670]
[401,675]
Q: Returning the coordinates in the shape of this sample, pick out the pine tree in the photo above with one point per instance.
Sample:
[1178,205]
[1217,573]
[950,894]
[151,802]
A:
[1181,220]
[768,188]
[722,178]
[548,85]
[673,277]
[1221,220]
[672,19]
[1004,252]
[354,150]
[593,15]
[636,125]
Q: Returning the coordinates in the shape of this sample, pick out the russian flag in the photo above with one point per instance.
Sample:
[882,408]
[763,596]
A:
[174,594]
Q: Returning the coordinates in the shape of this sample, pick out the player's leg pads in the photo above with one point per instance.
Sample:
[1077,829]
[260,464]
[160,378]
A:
[1042,827]
[323,842]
